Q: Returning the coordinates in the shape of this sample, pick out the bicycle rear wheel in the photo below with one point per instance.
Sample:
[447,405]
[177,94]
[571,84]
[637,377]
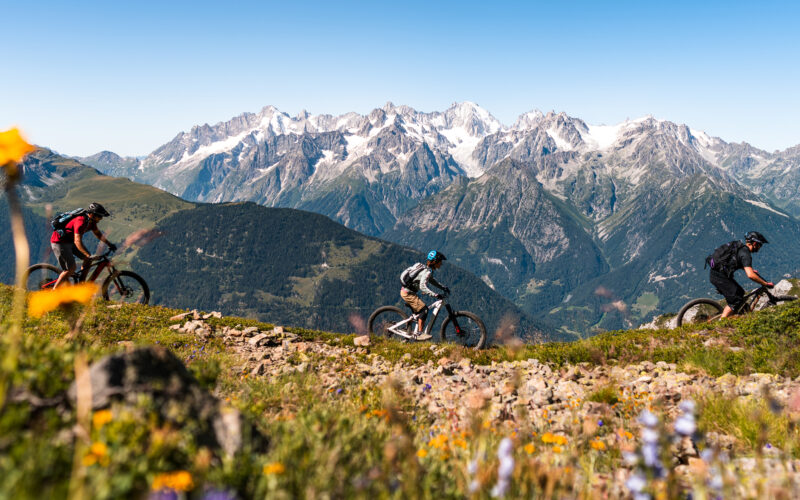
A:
[470,332]
[699,311]
[127,287]
[41,277]
[384,317]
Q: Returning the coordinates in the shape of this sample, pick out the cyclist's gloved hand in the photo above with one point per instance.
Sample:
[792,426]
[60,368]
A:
[770,284]
[112,247]
[439,296]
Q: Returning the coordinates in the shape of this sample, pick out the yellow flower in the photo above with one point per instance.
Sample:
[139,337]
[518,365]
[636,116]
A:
[41,303]
[380,413]
[274,468]
[460,443]
[529,448]
[438,442]
[101,418]
[180,480]
[13,149]
[549,437]
[598,445]
[422,453]
[557,449]
[99,449]
[98,452]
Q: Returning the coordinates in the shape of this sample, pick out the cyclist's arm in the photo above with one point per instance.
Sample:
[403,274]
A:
[753,275]
[424,276]
[80,247]
[100,235]
[435,283]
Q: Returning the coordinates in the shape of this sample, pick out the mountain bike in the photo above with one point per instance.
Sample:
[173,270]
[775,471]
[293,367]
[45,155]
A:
[461,327]
[119,286]
[708,310]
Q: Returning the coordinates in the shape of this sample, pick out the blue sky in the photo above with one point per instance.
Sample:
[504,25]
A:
[81,77]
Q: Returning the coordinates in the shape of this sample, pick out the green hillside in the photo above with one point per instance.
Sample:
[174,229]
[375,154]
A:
[292,267]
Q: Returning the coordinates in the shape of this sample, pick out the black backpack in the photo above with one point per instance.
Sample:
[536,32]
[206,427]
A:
[724,257]
[410,273]
[60,220]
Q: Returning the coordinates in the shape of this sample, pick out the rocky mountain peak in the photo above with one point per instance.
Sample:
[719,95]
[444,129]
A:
[528,120]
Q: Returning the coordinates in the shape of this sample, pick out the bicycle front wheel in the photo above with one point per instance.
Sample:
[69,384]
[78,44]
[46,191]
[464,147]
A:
[699,311]
[41,277]
[384,317]
[127,287]
[780,299]
[467,330]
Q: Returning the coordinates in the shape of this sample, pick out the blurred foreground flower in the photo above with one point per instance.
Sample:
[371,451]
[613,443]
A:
[179,481]
[98,453]
[41,303]
[274,468]
[505,469]
[101,418]
[13,149]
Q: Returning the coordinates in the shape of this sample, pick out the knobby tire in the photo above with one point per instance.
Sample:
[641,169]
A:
[713,304]
[126,278]
[473,330]
[384,317]
[42,274]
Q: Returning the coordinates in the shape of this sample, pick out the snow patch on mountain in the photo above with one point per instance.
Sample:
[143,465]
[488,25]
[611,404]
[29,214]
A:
[763,205]
[601,137]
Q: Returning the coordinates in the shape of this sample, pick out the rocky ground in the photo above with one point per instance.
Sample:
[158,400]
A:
[451,392]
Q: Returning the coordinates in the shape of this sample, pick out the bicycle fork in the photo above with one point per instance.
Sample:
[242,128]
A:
[452,315]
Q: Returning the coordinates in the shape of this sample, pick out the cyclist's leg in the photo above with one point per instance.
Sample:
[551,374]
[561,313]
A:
[731,290]
[66,260]
[417,306]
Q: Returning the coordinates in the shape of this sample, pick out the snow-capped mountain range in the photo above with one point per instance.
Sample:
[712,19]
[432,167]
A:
[518,203]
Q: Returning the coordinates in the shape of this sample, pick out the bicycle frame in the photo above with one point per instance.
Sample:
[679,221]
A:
[751,300]
[436,307]
[99,266]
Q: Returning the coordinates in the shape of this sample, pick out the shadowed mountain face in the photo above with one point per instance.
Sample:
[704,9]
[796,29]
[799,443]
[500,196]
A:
[575,223]
[280,265]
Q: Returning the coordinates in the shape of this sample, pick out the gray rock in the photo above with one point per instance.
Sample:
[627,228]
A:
[176,395]
[258,339]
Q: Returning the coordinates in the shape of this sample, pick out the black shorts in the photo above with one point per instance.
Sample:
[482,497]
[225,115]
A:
[65,254]
[728,287]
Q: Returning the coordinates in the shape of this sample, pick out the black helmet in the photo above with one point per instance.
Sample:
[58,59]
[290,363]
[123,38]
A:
[755,236]
[96,208]
[436,256]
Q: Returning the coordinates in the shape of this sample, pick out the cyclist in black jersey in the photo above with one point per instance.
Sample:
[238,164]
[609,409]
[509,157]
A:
[739,256]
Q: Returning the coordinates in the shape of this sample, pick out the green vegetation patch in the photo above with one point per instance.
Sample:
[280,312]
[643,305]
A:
[645,304]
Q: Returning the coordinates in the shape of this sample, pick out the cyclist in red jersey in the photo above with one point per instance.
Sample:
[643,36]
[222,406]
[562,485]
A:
[67,242]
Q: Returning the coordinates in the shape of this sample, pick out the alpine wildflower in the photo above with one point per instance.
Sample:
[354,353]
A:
[685,424]
[13,149]
[42,302]
[178,480]
[505,469]
[101,418]
[274,468]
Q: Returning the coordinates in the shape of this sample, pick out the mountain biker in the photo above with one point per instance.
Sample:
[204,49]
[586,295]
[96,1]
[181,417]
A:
[738,257]
[419,283]
[66,243]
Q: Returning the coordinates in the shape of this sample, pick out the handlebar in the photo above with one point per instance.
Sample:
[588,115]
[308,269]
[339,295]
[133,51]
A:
[105,255]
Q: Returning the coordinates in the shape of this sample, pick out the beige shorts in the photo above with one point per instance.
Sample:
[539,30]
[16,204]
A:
[412,300]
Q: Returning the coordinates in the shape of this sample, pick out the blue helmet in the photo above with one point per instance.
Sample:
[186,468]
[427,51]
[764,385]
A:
[436,256]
